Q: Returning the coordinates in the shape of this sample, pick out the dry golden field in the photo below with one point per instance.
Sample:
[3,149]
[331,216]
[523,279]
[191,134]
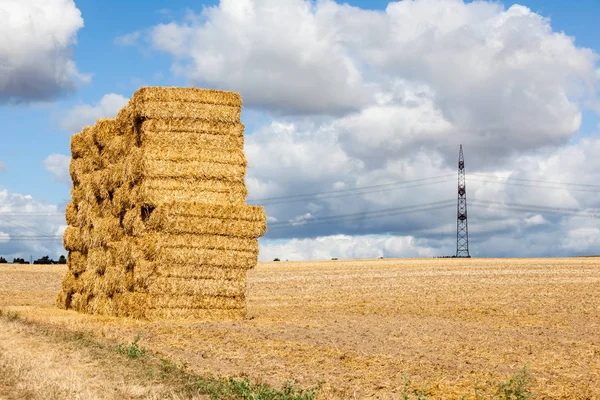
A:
[364,327]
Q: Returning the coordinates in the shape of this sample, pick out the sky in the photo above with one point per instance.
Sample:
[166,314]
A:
[354,113]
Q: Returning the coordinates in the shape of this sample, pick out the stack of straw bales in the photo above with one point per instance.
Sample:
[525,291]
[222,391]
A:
[158,226]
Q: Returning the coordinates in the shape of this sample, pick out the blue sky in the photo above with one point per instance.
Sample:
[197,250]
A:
[31,131]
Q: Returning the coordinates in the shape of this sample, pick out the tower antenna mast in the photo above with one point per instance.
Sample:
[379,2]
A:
[462,229]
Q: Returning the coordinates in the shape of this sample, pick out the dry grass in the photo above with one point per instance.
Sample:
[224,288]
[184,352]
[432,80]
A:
[364,326]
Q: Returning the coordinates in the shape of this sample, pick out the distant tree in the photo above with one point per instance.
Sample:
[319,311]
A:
[18,261]
[3,260]
[44,260]
[277,259]
[334,258]
[62,260]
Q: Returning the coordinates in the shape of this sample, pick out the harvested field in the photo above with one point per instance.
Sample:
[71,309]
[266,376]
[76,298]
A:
[364,326]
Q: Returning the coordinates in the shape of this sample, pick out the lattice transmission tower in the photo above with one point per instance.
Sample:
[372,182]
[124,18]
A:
[462,229]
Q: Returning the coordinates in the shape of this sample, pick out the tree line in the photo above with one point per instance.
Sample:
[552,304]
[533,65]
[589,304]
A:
[43,260]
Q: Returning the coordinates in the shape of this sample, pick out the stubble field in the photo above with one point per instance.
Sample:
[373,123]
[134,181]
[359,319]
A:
[367,328]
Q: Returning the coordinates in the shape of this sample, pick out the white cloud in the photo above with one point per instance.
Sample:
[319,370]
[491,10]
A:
[281,54]
[85,114]
[36,60]
[32,226]
[344,247]
[58,166]
[4,237]
[364,98]
[482,64]
[129,39]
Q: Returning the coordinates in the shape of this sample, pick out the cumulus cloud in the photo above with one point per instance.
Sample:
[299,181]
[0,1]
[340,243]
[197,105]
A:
[36,60]
[58,166]
[281,54]
[4,237]
[85,114]
[362,98]
[29,227]
[344,247]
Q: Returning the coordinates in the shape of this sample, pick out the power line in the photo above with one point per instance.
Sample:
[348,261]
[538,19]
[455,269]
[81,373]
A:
[352,191]
[363,215]
[537,181]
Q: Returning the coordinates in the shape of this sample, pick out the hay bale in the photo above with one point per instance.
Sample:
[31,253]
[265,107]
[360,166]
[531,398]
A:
[76,262]
[186,129]
[155,191]
[194,287]
[71,214]
[181,224]
[136,169]
[158,226]
[145,269]
[207,257]
[72,283]
[105,130]
[82,144]
[173,103]
[63,300]
[75,239]
[152,243]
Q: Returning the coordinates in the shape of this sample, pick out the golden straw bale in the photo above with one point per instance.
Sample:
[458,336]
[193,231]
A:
[116,150]
[116,280]
[178,94]
[82,144]
[123,253]
[63,300]
[181,109]
[188,169]
[211,219]
[89,281]
[87,213]
[220,211]
[143,271]
[72,283]
[104,131]
[81,167]
[152,243]
[192,140]
[195,287]
[79,301]
[76,239]
[101,305]
[76,262]
[180,224]
[98,259]
[166,190]
[184,128]
[207,257]
[122,200]
[106,230]
[71,214]
[83,192]
[181,151]
[133,223]
[191,271]
[136,167]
